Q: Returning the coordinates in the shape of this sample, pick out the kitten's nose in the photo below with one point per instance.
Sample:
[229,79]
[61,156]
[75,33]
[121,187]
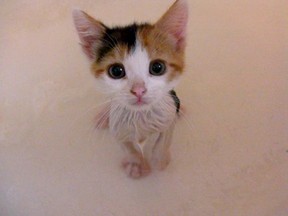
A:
[138,89]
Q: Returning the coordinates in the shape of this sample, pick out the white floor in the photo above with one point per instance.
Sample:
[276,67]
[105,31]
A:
[230,152]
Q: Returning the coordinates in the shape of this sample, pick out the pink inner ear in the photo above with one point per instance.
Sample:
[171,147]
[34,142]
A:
[89,31]
[174,21]
[87,46]
[180,33]
[181,27]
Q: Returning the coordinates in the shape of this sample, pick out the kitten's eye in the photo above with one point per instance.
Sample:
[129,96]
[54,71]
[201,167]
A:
[157,68]
[116,71]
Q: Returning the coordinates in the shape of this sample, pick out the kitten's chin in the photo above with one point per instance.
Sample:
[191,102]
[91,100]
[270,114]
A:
[143,104]
[139,105]
[136,104]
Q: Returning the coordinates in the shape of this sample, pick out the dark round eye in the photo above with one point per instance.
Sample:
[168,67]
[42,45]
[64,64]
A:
[157,68]
[116,71]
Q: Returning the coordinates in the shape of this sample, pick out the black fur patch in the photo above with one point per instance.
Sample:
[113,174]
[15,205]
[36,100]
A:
[118,35]
[176,100]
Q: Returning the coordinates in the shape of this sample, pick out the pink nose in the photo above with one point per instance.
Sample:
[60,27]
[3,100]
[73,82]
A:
[138,90]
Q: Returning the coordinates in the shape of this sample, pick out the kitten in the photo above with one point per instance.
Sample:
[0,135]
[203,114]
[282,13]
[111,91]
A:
[138,65]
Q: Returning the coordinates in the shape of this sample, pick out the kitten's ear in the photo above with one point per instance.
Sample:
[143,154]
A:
[90,32]
[174,22]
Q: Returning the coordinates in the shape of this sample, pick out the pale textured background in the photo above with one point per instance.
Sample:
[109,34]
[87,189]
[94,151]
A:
[232,159]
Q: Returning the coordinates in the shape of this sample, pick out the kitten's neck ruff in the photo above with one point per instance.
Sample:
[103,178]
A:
[129,124]
[164,104]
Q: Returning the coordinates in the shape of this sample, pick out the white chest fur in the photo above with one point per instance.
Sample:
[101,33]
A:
[136,125]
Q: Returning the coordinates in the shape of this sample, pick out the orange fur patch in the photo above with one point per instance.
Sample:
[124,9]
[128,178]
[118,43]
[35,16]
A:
[161,46]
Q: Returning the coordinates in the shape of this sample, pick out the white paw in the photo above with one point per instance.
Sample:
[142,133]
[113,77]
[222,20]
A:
[135,167]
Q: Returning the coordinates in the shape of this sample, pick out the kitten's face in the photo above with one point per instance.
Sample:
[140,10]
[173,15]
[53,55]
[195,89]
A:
[136,64]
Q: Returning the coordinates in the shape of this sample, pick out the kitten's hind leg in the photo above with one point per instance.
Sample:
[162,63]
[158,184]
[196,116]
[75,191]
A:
[134,164]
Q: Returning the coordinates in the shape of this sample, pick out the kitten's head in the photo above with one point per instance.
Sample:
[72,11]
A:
[137,64]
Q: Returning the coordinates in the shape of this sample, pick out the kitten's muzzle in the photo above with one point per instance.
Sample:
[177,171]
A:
[138,90]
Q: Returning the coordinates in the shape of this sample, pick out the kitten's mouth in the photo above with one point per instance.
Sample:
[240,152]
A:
[139,102]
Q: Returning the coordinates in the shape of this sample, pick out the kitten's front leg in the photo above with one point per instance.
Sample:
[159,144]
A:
[160,152]
[134,164]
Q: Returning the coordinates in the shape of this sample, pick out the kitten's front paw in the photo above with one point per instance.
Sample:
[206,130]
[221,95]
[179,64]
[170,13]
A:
[135,167]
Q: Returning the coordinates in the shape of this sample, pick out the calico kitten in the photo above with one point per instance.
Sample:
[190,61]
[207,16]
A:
[139,65]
